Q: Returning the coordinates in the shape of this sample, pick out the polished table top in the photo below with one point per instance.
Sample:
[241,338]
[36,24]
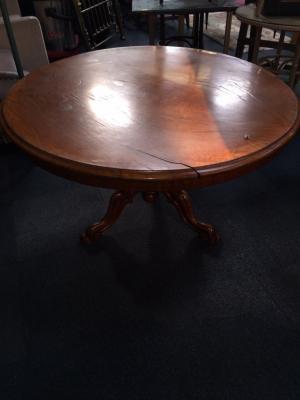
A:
[150,117]
[156,6]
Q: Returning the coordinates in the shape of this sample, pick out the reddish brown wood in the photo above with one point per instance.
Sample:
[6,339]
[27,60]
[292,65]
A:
[182,202]
[118,202]
[170,118]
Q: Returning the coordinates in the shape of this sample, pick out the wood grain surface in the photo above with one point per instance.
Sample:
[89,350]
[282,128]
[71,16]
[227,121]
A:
[150,118]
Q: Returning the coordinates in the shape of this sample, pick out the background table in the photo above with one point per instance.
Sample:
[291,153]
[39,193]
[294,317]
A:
[170,119]
[152,8]
[247,16]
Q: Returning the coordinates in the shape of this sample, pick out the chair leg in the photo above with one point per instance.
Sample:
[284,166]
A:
[256,44]
[241,40]
[227,32]
[200,32]
[119,18]
[162,27]
[252,36]
[206,20]
[151,28]
[279,50]
[181,19]
[187,21]
[295,66]
[195,30]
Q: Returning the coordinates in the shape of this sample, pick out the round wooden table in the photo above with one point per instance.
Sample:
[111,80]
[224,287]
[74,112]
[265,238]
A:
[150,119]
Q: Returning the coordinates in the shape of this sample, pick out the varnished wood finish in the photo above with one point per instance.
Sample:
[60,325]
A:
[169,118]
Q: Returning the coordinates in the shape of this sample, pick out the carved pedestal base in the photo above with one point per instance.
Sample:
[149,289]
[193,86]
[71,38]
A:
[180,199]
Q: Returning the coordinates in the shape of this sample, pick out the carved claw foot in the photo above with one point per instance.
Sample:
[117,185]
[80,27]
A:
[182,202]
[117,203]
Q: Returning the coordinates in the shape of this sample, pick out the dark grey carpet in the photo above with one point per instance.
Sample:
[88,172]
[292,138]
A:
[148,312]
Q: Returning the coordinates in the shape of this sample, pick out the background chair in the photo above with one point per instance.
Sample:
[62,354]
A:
[97,19]
[30,44]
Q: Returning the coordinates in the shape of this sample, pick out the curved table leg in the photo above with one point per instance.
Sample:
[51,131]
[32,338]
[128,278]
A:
[118,202]
[182,202]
